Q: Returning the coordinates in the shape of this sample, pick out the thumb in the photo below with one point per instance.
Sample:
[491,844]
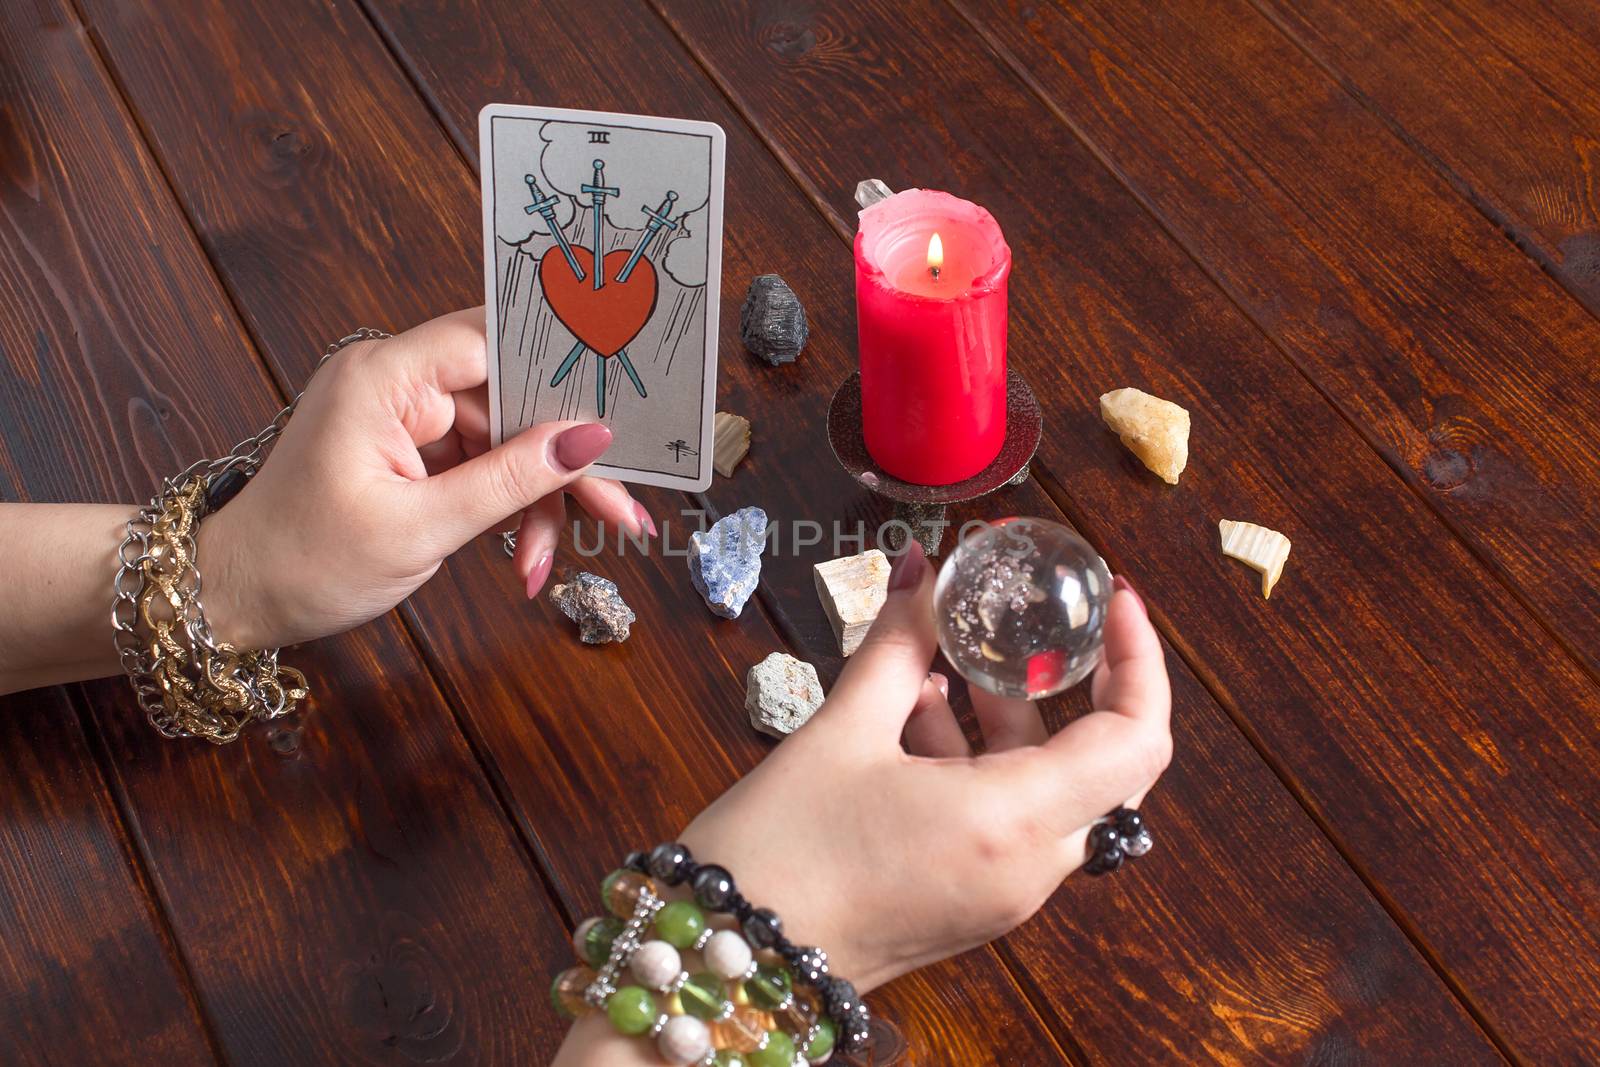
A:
[471,497]
[880,685]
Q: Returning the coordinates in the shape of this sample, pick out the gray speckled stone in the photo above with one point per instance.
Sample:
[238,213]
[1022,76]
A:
[725,561]
[772,322]
[596,606]
[781,694]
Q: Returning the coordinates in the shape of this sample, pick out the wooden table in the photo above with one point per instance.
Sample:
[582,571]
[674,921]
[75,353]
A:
[1359,240]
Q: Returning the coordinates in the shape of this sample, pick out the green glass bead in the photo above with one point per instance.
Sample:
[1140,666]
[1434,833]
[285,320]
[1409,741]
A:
[769,987]
[730,1058]
[632,1010]
[777,1052]
[702,996]
[680,923]
[597,942]
[822,1044]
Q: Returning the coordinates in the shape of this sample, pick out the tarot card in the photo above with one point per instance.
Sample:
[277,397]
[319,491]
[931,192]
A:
[602,242]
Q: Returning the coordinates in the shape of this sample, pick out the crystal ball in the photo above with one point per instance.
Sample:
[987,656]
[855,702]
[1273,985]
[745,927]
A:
[1021,605]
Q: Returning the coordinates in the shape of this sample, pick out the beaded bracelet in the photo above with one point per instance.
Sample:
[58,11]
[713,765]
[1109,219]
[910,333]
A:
[741,1008]
[1115,837]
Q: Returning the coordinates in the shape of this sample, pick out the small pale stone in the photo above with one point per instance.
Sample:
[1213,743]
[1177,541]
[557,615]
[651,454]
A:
[595,605]
[725,561]
[852,590]
[655,964]
[728,954]
[730,441]
[781,693]
[580,935]
[772,322]
[684,1040]
[871,191]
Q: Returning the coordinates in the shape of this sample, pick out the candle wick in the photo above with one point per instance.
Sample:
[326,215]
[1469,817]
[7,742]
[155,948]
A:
[935,272]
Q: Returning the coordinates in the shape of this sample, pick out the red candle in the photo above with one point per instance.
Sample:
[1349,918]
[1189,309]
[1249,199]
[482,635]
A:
[931,274]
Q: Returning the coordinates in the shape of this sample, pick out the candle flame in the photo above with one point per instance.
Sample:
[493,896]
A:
[935,254]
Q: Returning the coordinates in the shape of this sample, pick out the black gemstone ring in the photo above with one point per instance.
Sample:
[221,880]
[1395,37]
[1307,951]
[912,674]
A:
[1120,836]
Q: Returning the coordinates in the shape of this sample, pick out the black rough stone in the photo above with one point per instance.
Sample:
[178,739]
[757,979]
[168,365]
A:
[772,323]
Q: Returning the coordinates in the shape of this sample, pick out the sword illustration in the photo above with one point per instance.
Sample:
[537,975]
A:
[546,206]
[659,219]
[598,193]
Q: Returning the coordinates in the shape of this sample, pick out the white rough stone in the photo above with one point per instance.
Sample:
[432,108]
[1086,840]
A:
[728,954]
[852,590]
[781,694]
[656,964]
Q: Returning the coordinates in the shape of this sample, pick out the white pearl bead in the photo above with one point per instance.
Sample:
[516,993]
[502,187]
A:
[728,954]
[656,964]
[684,1040]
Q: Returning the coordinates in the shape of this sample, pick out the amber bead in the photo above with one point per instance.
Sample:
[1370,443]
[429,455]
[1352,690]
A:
[797,1018]
[566,992]
[743,1031]
[620,891]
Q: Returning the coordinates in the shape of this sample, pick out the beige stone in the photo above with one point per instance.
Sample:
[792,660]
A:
[852,590]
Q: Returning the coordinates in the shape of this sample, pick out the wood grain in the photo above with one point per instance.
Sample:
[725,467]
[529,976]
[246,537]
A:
[86,972]
[341,889]
[1074,956]
[1376,687]
[1463,365]
[599,750]
[1501,99]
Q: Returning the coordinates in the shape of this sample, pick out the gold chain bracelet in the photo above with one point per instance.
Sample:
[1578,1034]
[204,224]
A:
[188,683]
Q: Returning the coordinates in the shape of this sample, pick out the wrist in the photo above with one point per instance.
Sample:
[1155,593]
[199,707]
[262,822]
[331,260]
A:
[237,611]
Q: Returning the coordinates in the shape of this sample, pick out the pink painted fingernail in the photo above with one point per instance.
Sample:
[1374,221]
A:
[940,682]
[537,576]
[908,568]
[576,448]
[644,518]
[1119,582]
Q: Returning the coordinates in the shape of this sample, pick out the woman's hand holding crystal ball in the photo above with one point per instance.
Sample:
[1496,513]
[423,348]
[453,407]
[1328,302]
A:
[876,834]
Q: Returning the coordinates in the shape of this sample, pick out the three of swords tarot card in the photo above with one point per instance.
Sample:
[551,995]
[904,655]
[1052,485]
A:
[602,241]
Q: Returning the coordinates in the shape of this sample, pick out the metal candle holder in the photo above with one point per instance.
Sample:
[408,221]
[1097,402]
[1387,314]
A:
[920,509]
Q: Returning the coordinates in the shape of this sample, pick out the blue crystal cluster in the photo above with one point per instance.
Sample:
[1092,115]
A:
[725,561]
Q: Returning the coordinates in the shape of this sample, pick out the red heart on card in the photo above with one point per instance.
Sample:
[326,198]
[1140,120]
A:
[605,319]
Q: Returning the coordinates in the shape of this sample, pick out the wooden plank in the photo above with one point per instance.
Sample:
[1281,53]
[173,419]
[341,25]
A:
[599,750]
[1382,614]
[1457,359]
[1501,98]
[87,974]
[340,888]
[1104,965]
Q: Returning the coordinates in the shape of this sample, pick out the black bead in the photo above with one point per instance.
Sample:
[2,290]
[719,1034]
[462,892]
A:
[667,862]
[859,1012]
[1102,837]
[839,997]
[713,887]
[854,1037]
[637,861]
[763,928]
[224,487]
[1107,861]
[810,965]
[1129,822]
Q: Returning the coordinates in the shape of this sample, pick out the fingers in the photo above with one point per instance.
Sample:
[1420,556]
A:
[1006,721]
[1111,756]
[483,492]
[537,539]
[881,682]
[932,730]
[449,353]
[1133,679]
[609,501]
